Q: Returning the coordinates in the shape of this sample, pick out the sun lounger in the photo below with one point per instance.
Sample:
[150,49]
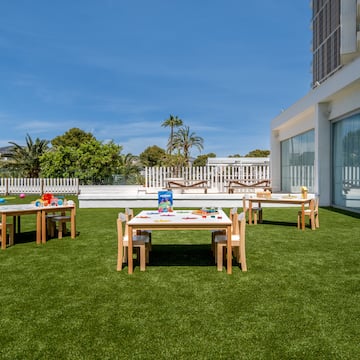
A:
[244,186]
[187,184]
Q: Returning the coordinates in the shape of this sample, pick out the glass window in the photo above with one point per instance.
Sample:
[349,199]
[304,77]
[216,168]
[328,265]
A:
[346,162]
[297,162]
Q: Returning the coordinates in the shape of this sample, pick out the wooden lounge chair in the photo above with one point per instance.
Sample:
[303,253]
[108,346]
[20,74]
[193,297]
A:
[246,186]
[188,184]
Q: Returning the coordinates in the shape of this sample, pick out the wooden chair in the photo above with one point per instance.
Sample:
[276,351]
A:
[51,226]
[129,214]
[312,212]
[237,243]
[140,243]
[256,211]
[8,228]
[233,213]
[244,206]
[221,235]
[60,220]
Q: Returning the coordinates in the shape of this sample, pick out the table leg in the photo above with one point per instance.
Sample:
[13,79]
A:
[302,216]
[3,231]
[229,250]
[73,223]
[43,227]
[40,228]
[130,250]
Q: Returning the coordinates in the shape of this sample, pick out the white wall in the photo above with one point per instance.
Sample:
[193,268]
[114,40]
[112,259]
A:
[345,102]
[323,153]
[296,125]
[348,32]
[275,161]
[335,98]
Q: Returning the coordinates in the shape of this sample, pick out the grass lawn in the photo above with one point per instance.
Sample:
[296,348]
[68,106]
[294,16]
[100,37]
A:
[300,298]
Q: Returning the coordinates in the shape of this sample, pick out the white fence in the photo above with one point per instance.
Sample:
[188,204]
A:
[218,177]
[38,186]
[351,176]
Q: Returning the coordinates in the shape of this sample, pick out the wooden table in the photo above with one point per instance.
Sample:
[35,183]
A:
[16,211]
[179,220]
[283,200]
[30,209]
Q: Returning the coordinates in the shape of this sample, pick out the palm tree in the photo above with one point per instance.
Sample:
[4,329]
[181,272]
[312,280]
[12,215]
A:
[184,141]
[26,159]
[129,167]
[172,122]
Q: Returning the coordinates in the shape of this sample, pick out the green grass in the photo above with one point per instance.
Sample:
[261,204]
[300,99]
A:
[300,298]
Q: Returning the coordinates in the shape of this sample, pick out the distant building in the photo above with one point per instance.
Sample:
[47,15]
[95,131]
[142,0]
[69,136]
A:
[316,142]
[221,161]
[3,151]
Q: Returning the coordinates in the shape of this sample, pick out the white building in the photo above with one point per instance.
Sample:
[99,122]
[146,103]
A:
[316,142]
[223,161]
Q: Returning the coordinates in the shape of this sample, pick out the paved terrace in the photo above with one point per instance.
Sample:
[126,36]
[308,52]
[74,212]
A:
[135,196]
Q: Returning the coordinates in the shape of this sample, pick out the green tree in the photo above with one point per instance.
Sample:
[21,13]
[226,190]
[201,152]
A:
[73,137]
[25,160]
[175,160]
[201,160]
[184,140]
[172,122]
[60,162]
[91,161]
[258,153]
[98,161]
[152,156]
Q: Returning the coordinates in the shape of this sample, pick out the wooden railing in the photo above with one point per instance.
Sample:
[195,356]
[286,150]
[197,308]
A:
[38,186]
[218,177]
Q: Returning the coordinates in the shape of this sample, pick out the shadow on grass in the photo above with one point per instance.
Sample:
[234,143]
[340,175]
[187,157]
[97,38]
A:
[30,236]
[355,215]
[25,237]
[181,255]
[281,223]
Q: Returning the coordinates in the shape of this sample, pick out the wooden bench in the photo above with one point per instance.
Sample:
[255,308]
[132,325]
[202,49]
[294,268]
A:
[248,186]
[187,184]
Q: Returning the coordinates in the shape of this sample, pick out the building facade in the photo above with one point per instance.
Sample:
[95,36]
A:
[325,39]
[316,142]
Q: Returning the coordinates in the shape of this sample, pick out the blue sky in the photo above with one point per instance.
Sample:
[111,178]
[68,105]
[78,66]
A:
[119,68]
